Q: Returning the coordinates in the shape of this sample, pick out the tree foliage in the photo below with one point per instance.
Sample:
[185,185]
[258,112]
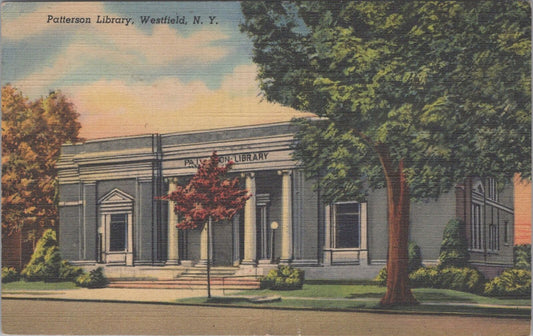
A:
[434,82]
[413,95]
[32,135]
[522,256]
[208,195]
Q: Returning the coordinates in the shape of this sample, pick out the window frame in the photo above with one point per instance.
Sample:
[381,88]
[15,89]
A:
[334,225]
[476,226]
[115,202]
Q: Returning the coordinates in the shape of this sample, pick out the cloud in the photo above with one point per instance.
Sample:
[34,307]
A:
[242,81]
[165,46]
[117,108]
[17,24]
[93,48]
[73,60]
[110,108]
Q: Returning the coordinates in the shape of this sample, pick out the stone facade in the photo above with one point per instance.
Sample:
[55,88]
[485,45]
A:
[110,213]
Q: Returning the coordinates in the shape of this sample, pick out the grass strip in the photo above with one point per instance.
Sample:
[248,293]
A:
[363,306]
[37,285]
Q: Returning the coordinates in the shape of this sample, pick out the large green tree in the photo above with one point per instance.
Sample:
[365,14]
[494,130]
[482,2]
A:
[32,135]
[413,96]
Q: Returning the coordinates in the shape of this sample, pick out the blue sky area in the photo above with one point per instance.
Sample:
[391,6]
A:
[137,78]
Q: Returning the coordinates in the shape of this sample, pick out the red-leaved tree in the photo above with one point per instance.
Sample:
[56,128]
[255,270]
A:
[208,197]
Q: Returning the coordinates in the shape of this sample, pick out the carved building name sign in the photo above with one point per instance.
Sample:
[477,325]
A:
[237,158]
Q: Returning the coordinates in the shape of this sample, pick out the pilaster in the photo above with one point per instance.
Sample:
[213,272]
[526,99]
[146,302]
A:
[286,216]
[250,233]
[173,235]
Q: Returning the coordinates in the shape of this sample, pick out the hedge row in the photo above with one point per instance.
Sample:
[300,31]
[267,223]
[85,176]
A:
[511,283]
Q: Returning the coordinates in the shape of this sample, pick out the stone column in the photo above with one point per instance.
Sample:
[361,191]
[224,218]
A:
[172,247]
[364,244]
[327,236]
[203,247]
[286,216]
[250,234]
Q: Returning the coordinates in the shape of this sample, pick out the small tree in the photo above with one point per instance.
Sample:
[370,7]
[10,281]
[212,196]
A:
[415,257]
[454,246]
[206,198]
[522,256]
[45,262]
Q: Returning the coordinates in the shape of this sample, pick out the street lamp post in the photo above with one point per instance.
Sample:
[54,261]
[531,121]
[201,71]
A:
[274,225]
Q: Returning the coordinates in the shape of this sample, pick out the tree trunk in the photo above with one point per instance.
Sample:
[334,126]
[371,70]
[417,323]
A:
[398,291]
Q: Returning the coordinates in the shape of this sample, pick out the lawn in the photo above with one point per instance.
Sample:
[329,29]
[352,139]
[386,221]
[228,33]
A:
[36,285]
[368,292]
[365,297]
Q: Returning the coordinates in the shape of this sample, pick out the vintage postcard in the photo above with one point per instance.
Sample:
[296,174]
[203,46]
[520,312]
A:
[266,168]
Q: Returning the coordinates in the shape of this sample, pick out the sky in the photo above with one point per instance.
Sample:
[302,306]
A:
[148,78]
[132,78]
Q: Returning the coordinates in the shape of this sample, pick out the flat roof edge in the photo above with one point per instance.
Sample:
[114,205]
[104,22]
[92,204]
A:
[169,134]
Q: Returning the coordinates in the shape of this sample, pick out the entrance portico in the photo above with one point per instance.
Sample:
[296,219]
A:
[264,166]
[249,237]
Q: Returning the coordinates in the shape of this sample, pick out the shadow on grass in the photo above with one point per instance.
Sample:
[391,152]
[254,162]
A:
[441,297]
[343,282]
[365,296]
[226,300]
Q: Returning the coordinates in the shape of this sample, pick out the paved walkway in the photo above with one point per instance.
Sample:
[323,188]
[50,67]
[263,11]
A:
[114,294]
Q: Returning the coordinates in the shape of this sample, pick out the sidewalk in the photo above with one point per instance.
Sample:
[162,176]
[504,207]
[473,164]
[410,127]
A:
[113,294]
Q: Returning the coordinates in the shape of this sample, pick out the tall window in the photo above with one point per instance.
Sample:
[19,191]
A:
[506,231]
[492,189]
[476,236]
[347,225]
[118,231]
[494,239]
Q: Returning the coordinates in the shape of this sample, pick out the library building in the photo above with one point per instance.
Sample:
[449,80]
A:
[111,215]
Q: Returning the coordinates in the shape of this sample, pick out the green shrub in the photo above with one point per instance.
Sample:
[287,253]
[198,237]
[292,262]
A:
[67,272]
[464,279]
[454,246]
[512,282]
[414,263]
[45,261]
[426,277]
[415,257]
[283,278]
[381,279]
[522,256]
[9,274]
[93,279]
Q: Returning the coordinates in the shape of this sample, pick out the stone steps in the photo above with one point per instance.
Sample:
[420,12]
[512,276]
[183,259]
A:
[201,272]
[216,283]
[195,277]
